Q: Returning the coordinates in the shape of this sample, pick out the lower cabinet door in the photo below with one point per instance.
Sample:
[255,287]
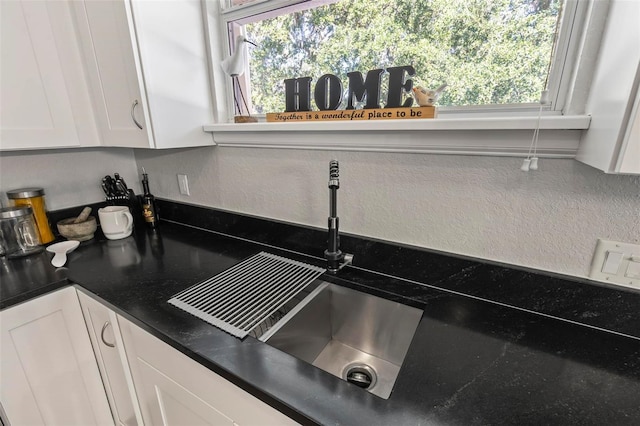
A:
[171,404]
[112,361]
[175,390]
[48,373]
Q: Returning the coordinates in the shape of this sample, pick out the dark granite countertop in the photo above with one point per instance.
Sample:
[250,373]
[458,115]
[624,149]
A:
[495,345]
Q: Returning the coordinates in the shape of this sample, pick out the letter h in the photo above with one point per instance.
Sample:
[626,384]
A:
[298,94]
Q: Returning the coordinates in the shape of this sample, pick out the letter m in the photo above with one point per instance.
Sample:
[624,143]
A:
[367,90]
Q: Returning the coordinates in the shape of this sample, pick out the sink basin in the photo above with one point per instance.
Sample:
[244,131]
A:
[353,335]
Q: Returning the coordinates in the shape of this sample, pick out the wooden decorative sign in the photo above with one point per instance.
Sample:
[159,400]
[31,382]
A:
[328,95]
[354,114]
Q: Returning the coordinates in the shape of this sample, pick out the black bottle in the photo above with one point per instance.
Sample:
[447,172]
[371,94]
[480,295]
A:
[149,210]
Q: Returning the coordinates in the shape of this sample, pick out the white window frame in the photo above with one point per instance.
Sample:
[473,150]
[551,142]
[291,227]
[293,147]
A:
[564,118]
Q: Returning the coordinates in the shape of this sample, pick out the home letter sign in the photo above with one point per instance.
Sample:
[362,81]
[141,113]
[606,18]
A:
[328,95]
[328,92]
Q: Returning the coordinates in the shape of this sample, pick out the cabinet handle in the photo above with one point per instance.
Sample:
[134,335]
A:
[133,117]
[104,327]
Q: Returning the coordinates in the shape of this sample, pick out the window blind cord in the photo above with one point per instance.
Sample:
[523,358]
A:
[531,162]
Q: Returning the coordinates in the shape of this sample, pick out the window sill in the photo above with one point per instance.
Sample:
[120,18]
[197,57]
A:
[505,136]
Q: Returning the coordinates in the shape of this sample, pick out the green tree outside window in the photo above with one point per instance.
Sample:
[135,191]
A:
[487,51]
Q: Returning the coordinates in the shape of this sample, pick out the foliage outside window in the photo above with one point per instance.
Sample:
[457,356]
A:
[488,51]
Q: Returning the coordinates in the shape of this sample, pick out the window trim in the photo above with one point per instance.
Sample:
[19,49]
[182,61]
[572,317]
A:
[496,136]
[510,125]
[561,67]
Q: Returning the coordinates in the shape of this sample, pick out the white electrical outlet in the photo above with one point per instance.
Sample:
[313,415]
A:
[616,263]
[183,184]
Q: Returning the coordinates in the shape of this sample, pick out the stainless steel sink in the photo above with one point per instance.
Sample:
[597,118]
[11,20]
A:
[355,336]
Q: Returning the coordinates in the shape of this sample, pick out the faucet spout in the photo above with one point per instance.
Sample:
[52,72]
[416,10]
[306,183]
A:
[336,259]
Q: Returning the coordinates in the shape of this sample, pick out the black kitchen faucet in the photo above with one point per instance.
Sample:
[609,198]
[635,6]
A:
[336,259]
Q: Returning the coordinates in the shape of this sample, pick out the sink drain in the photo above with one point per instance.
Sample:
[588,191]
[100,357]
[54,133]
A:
[360,375]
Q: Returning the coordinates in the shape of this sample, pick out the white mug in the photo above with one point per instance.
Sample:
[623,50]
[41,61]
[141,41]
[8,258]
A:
[116,222]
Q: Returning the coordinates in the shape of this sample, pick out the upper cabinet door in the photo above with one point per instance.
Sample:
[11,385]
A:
[36,108]
[612,143]
[149,71]
[629,158]
[107,43]
[175,63]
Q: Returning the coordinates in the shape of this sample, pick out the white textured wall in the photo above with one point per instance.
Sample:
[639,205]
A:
[478,206]
[70,177]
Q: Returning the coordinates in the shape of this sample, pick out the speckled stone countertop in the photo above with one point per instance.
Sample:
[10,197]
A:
[496,345]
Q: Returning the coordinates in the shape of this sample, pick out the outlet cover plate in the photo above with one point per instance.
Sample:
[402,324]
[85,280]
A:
[630,256]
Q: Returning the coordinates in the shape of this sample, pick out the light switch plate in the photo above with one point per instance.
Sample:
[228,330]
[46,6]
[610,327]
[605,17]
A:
[183,184]
[630,253]
[633,270]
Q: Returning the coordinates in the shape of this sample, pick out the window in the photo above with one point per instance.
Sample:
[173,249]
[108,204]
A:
[493,54]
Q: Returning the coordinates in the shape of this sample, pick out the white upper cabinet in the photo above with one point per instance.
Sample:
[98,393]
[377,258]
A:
[111,68]
[43,96]
[148,70]
[628,160]
[612,143]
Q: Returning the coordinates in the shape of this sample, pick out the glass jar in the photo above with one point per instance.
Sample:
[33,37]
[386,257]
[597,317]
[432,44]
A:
[18,231]
[34,197]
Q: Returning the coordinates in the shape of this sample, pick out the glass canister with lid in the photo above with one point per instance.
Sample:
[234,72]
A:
[34,197]
[18,232]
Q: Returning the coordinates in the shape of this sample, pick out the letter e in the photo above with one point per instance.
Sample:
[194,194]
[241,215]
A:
[397,82]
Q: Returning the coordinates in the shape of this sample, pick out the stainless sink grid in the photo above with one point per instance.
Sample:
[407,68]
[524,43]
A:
[247,294]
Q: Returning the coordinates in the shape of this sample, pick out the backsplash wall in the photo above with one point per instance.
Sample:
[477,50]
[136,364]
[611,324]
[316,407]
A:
[477,206]
[70,177]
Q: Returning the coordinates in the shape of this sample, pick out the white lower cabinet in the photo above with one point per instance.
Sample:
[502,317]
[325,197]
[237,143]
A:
[48,372]
[175,390]
[112,361]
[52,372]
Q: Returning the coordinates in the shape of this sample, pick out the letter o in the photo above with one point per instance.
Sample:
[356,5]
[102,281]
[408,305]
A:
[328,92]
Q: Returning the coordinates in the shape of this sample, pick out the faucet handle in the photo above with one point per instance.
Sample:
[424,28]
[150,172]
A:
[334,174]
[347,259]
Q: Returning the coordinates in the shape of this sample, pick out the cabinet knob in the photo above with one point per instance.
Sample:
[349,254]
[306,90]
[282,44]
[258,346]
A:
[104,327]
[133,116]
